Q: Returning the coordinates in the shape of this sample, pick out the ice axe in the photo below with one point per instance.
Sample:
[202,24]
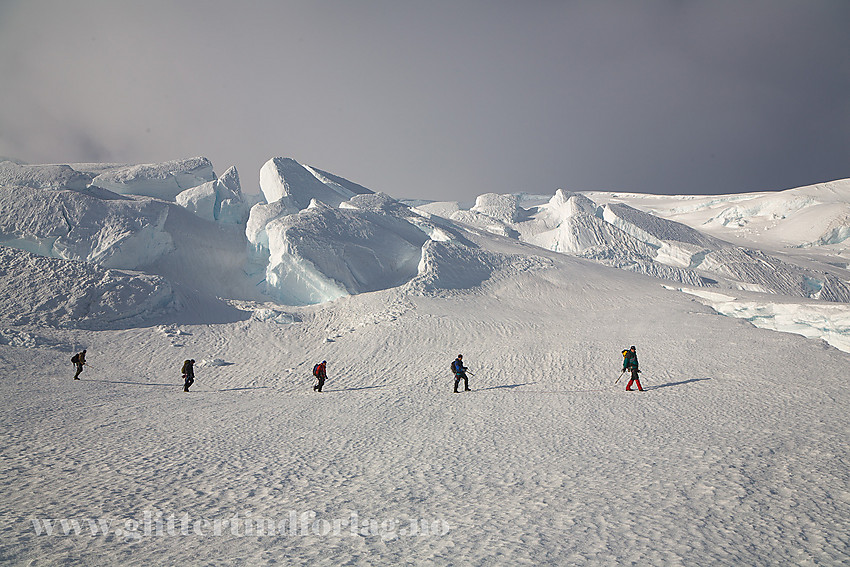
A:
[620,376]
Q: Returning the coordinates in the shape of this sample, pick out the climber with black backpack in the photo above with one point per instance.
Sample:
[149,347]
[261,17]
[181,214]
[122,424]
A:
[79,360]
[320,373]
[188,371]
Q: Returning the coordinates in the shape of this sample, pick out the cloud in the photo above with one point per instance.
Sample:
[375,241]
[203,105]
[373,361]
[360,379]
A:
[439,99]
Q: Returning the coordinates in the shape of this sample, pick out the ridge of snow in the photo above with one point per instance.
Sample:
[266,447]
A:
[56,177]
[654,230]
[124,234]
[163,180]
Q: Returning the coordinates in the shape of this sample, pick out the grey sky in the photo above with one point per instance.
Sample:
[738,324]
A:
[440,99]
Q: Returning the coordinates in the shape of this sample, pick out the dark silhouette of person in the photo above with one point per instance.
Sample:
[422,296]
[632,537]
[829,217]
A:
[79,360]
[320,371]
[188,374]
[460,373]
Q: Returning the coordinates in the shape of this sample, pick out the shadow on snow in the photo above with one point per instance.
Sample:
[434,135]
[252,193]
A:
[128,382]
[668,384]
[351,389]
[505,386]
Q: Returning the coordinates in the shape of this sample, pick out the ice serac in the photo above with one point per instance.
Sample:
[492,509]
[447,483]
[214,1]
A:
[63,293]
[330,178]
[220,200]
[231,206]
[500,207]
[285,178]
[259,217]
[497,214]
[43,176]
[200,200]
[322,253]
[163,180]
[122,233]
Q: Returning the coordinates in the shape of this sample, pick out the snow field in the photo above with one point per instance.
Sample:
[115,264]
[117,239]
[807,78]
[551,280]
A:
[735,454]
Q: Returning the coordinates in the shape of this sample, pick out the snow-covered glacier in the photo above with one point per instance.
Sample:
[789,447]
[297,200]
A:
[311,236]
[623,236]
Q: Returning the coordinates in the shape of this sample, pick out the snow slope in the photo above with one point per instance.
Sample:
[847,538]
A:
[734,454]
[545,462]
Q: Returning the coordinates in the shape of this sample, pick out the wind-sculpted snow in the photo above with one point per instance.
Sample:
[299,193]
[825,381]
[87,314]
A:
[653,229]
[459,265]
[119,233]
[580,233]
[62,293]
[161,180]
[501,207]
[573,224]
[758,271]
[484,222]
[43,176]
[345,186]
[804,217]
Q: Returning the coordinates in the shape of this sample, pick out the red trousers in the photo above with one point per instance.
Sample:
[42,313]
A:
[635,380]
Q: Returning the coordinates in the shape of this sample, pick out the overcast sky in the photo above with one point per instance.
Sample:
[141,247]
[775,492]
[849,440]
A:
[440,99]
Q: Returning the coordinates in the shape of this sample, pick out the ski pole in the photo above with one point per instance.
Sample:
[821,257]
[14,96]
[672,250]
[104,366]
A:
[620,376]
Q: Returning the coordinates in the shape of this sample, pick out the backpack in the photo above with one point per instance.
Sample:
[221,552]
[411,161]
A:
[316,370]
[75,359]
[629,359]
